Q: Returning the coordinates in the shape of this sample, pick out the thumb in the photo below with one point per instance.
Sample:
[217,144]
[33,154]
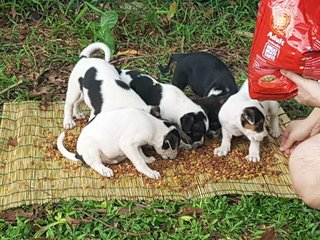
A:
[296,78]
[286,143]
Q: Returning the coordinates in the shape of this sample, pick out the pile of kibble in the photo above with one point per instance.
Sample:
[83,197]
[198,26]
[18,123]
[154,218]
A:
[183,172]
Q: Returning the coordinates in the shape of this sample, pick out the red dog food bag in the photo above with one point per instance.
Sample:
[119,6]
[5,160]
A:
[287,36]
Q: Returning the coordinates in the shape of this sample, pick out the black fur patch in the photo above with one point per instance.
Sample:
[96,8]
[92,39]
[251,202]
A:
[94,89]
[212,106]
[193,124]
[171,140]
[169,124]
[80,80]
[150,92]
[252,118]
[156,112]
[118,70]
[78,156]
[123,84]
[91,120]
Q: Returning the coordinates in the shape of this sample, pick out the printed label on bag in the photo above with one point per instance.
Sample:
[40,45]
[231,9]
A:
[271,51]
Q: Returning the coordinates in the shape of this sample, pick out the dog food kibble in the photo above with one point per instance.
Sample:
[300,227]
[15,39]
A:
[190,169]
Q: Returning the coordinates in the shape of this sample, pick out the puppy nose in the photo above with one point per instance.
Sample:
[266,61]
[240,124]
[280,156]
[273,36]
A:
[197,145]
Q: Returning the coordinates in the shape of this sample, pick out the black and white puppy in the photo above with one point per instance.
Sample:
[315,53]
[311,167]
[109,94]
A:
[174,104]
[205,73]
[241,115]
[119,134]
[98,83]
[212,106]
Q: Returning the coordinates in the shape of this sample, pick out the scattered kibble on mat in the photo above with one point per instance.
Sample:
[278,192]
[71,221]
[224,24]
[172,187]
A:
[192,167]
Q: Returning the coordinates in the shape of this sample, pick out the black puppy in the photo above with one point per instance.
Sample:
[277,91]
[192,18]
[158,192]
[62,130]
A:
[205,74]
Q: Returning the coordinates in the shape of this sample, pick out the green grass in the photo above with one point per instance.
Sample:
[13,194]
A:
[39,43]
[233,217]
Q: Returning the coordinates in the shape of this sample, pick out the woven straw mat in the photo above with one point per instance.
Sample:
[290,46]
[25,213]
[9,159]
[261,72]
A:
[32,171]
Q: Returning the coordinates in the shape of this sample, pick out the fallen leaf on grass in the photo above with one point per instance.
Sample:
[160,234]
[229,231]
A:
[12,141]
[128,52]
[190,211]
[269,234]
[11,215]
[123,211]
[72,222]
[99,210]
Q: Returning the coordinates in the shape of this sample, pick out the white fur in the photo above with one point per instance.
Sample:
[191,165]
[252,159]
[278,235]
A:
[115,135]
[214,92]
[114,97]
[230,119]
[173,104]
[94,47]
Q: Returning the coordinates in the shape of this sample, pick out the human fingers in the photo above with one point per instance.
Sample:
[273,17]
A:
[284,138]
[296,78]
[287,141]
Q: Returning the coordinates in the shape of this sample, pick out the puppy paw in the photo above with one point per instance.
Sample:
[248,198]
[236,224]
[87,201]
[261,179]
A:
[68,123]
[106,172]
[79,115]
[253,157]
[152,173]
[150,159]
[275,132]
[221,151]
[184,145]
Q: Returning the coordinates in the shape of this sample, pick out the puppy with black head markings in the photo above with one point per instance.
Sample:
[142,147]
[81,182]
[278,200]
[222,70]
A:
[241,115]
[205,73]
[98,83]
[174,104]
[110,137]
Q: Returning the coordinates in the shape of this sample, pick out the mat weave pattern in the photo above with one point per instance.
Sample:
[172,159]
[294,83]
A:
[27,178]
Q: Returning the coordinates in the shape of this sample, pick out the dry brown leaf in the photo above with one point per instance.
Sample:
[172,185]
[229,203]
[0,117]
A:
[190,211]
[73,221]
[100,210]
[11,215]
[269,234]
[13,11]
[123,211]
[12,141]
[127,52]
[173,49]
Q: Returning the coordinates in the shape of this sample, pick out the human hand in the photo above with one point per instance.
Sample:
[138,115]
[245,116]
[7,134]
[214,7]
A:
[292,136]
[296,132]
[308,89]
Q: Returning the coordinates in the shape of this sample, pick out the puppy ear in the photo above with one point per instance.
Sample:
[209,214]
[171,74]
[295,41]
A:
[171,140]
[187,121]
[155,111]
[248,115]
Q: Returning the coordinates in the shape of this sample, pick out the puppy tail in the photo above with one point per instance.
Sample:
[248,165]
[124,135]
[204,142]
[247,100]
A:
[173,58]
[94,47]
[69,155]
